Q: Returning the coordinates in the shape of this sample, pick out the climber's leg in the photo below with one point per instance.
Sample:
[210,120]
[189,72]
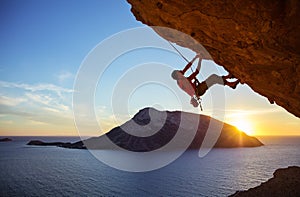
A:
[215,79]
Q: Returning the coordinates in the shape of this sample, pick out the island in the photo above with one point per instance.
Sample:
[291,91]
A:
[5,139]
[78,145]
[229,136]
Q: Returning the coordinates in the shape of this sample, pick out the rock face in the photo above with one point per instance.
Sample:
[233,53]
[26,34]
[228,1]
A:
[286,182]
[256,41]
[230,137]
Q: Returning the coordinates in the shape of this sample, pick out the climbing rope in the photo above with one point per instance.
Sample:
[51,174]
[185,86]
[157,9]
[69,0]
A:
[179,52]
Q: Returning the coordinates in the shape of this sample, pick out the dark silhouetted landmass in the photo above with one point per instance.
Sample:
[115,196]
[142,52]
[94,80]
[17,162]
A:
[229,136]
[285,182]
[5,140]
[41,143]
[77,145]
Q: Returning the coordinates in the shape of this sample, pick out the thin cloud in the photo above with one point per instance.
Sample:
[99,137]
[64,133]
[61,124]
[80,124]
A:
[49,109]
[234,113]
[39,115]
[9,122]
[10,101]
[63,76]
[15,111]
[47,100]
[42,99]
[40,102]
[34,122]
[35,88]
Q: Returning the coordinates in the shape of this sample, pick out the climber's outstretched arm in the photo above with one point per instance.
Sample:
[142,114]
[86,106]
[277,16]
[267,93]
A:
[194,74]
[199,63]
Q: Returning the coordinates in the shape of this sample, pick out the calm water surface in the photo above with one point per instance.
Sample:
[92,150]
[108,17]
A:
[52,171]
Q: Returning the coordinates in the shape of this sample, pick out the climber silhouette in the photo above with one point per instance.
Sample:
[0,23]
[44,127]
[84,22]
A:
[193,87]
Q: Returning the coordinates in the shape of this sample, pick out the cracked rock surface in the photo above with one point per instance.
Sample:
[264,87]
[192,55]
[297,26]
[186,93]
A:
[256,41]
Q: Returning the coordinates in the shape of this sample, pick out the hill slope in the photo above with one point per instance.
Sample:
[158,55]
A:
[163,127]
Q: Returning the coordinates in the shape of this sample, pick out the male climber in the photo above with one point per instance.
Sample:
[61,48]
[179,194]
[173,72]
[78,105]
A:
[192,86]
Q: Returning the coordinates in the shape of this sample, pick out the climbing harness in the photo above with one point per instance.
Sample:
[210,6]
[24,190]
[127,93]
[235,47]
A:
[198,99]
[196,82]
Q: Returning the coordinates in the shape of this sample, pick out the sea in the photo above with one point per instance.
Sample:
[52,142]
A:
[54,171]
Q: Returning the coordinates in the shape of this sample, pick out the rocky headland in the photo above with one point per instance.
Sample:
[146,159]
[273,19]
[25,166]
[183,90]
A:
[285,182]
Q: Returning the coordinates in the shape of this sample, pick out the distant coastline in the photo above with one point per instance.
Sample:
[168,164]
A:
[5,139]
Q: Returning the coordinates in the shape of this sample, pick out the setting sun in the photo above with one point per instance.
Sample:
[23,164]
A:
[243,125]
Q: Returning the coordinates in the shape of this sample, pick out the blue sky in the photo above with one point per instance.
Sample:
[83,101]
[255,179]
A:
[43,44]
[45,38]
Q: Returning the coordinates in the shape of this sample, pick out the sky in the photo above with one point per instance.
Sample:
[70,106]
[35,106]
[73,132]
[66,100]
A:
[45,43]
